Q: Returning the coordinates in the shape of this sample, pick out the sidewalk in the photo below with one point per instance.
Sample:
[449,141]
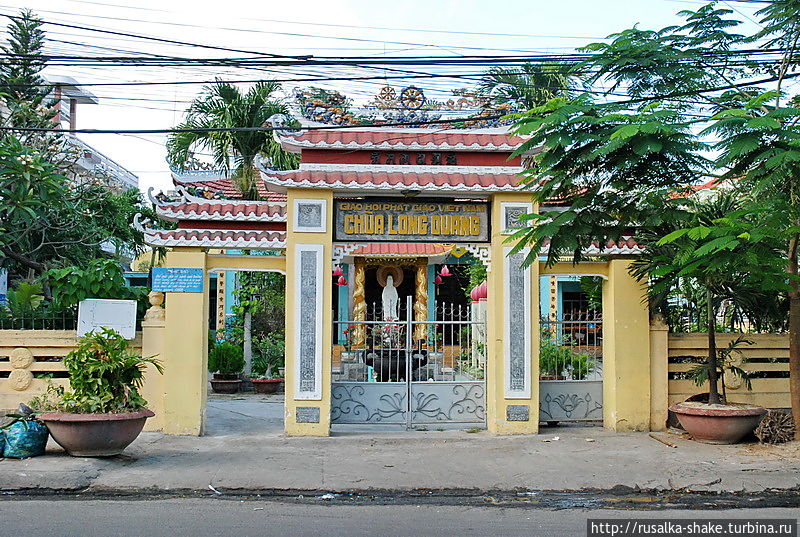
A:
[245,450]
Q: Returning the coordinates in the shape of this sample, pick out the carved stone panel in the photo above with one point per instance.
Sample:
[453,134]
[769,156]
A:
[517,413]
[307,349]
[307,414]
[309,215]
[517,326]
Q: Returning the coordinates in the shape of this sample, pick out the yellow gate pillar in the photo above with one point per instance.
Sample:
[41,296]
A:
[626,351]
[309,250]
[512,368]
[185,355]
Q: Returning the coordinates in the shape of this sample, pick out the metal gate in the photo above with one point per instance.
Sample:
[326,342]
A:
[571,368]
[410,372]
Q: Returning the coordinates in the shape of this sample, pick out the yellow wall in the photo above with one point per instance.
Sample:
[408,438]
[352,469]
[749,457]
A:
[496,402]
[626,351]
[291,426]
[186,350]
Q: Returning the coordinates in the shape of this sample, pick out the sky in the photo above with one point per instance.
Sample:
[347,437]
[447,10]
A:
[323,28]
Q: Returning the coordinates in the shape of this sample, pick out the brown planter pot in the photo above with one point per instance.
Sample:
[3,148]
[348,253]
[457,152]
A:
[226,376]
[95,435]
[267,385]
[225,386]
[718,424]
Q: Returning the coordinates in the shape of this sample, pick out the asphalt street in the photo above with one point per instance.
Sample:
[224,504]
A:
[256,517]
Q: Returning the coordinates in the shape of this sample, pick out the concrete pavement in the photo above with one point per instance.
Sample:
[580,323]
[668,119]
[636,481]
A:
[245,450]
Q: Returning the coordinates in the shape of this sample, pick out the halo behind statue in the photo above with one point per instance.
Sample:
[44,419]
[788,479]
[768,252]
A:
[396,272]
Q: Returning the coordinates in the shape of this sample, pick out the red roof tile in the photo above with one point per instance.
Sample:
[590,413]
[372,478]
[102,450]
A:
[212,238]
[395,180]
[228,189]
[223,210]
[403,138]
[404,249]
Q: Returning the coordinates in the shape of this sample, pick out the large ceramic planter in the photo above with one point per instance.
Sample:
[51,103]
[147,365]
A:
[267,385]
[95,435]
[225,386]
[718,424]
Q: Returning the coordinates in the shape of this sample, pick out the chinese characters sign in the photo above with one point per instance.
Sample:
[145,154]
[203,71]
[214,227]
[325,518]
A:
[411,221]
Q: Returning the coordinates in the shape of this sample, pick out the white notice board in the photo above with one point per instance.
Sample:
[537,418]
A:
[96,313]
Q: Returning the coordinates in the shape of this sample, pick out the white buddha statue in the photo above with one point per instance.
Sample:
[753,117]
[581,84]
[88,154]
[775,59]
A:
[390,300]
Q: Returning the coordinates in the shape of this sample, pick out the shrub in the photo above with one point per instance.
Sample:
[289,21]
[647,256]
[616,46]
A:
[105,376]
[226,358]
[268,354]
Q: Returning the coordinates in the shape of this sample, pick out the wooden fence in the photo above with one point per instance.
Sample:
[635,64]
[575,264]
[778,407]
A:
[767,360]
[30,359]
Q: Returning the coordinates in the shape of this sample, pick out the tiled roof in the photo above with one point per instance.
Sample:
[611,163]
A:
[226,186]
[213,238]
[455,182]
[624,246]
[410,139]
[401,249]
[224,210]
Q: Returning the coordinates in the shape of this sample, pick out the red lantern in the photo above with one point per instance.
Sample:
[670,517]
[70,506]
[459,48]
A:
[438,280]
[338,271]
[341,281]
[445,271]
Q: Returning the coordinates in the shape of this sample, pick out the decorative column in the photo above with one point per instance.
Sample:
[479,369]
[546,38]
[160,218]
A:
[512,369]
[153,345]
[309,319]
[220,301]
[421,302]
[359,303]
[659,373]
[626,351]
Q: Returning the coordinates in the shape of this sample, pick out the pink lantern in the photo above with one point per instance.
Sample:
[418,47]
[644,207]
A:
[438,280]
[484,290]
[474,294]
[445,271]
[341,281]
[338,271]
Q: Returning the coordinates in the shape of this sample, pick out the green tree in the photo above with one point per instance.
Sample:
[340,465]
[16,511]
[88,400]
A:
[20,81]
[528,85]
[224,106]
[623,163]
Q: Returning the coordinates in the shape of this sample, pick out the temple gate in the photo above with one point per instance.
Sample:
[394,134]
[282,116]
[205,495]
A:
[365,230]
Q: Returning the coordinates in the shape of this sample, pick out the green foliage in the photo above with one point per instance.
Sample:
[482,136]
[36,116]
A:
[101,278]
[105,376]
[19,77]
[529,85]
[25,298]
[268,355]
[561,361]
[223,105]
[263,294]
[726,362]
[226,358]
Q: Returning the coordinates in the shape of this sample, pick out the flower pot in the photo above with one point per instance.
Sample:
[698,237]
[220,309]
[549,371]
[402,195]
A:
[225,386]
[267,385]
[718,424]
[226,376]
[95,435]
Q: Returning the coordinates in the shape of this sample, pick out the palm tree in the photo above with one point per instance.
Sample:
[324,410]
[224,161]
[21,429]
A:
[222,106]
[529,85]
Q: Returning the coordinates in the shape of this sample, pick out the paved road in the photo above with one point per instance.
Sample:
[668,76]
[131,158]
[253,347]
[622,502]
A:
[245,518]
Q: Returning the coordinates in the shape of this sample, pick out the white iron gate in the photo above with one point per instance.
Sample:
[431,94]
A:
[410,372]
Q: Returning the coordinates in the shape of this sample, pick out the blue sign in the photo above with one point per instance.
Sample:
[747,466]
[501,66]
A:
[178,280]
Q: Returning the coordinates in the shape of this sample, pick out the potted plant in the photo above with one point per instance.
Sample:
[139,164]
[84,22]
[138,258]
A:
[226,361]
[267,364]
[103,412]
[726,422]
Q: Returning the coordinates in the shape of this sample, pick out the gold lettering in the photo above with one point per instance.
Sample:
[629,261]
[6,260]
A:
[348,224]
[475,227]
[392,230]
[379,224]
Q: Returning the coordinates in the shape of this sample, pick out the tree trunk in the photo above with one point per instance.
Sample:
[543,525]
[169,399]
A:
[794,335]
[248,343]
[713,390]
